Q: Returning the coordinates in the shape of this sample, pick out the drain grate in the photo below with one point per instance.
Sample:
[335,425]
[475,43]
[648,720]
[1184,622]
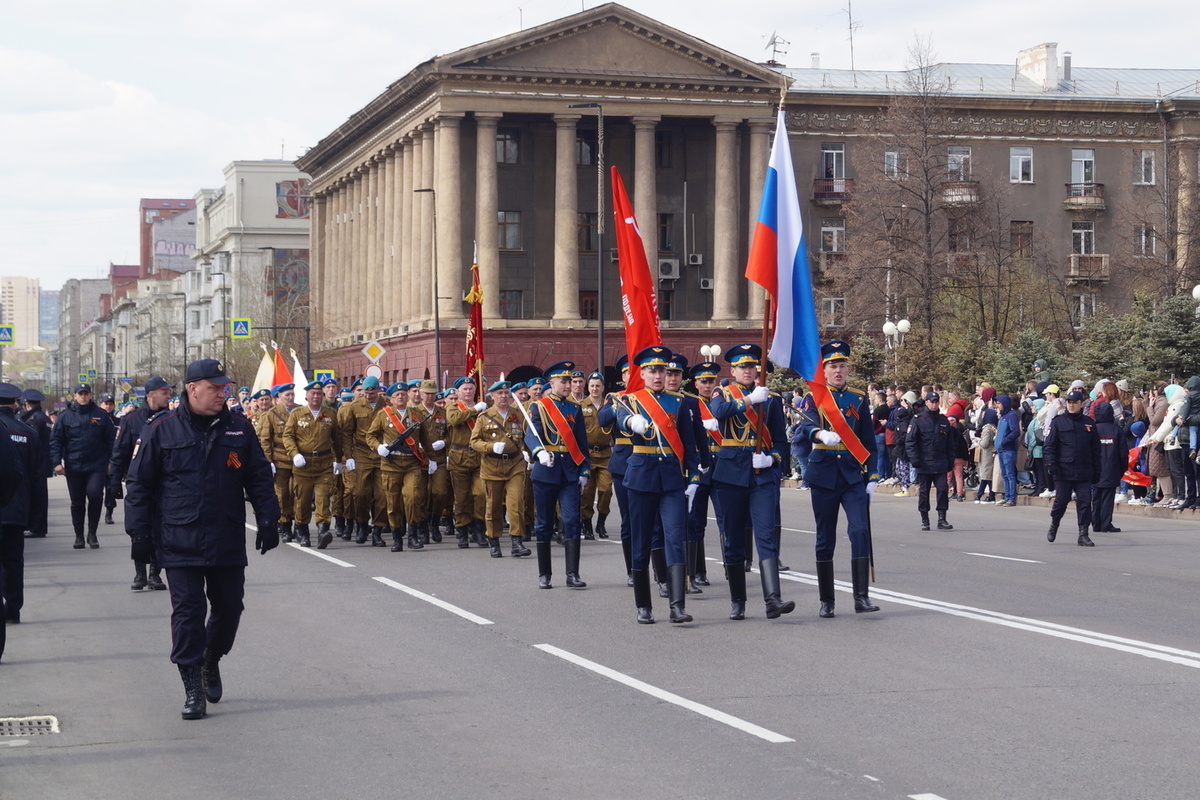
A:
[28,726]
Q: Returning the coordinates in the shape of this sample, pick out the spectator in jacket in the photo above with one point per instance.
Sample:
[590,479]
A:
[1156,457]
[1072,452]
[879,416]
[1114,457]
[1008,432]
[986,455]
[1174,454]
[185,509]
[1188,421]
[930,449]
[960,451]
[901,420]
[80,445]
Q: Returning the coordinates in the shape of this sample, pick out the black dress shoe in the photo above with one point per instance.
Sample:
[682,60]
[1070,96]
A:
[544,582]
[645,616]
[1111,529]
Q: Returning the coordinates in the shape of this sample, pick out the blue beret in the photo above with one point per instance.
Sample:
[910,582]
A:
[498,385]
[280,388]
[370,382]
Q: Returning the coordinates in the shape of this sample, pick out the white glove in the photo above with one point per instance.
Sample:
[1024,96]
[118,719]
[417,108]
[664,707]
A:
[828,438]
[583,481]
[759,395]
[526,454]
[761,460]
[711,424]
[432,467]
[299,460]
[440,444]
[690,492]
[349,465]
[544,458]
[498,448]
[638,424]
[480,406]
[383,451]
[337,468]
[272,467]
[870,488]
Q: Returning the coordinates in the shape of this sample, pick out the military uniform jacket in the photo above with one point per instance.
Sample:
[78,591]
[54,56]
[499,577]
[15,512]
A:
[826,462]
[653,465]
[461,421]
[82,438]
[384,431]
[435,426]
[622,446]
[187,488]
[316,438]
[15,511]
[564,469]
[270,437]
[739,439]
[355,419]
[491,427]
[600,437]
[706,443]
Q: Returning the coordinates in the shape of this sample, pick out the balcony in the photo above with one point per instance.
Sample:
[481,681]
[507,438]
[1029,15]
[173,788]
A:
[829,265]
[955,194]
[1089,268]
[832,192]
[1084,197]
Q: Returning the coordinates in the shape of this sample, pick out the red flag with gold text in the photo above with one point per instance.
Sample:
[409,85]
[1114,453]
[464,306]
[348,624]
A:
[475,328]
[639,303]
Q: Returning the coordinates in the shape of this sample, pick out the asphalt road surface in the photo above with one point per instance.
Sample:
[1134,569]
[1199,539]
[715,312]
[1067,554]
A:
[1000,666]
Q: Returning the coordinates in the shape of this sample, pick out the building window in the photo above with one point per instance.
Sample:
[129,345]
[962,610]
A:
[894,167]
[1082,307]
[587,231]
[958,236]
[662,149]
[1020,238]
[958,163]
[666,233]
[508,145]
[1144,239]
[510,230]
[666,304]
[1083,166]
[1020,164]
[833,160]
[512,304]
[1083,238]
[833,235]
[833,312]
[588,305]
[195,323]
[1144,166]
[585,148]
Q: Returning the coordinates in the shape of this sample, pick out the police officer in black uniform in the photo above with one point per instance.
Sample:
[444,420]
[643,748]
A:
[14,514]
[185,496]
[80,446]
[39,497]
[1072,454]
[12,474]
[930,449]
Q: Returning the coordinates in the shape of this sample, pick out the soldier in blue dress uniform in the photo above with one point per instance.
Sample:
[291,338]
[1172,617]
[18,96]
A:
[704,377]
[557,442]
[837,479]
[621,449]
[676,367]
[746,477]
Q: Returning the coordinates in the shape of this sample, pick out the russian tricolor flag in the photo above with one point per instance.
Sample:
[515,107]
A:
[779,263]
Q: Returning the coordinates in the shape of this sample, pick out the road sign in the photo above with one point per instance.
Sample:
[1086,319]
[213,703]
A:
[83,377]
[92,374]
[374,351]
[126,384]
[322,374]
[240,328]
[374,371]
[6,334]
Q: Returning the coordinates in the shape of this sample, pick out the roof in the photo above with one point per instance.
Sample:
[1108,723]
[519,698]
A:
[155,202]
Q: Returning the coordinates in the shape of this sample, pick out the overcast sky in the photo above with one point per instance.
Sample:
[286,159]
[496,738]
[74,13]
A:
[105,103]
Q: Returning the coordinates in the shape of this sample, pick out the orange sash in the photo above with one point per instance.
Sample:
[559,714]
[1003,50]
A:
[565,432]
[662,420]
[408,440]
[751,415]
[705,413]
[470,420]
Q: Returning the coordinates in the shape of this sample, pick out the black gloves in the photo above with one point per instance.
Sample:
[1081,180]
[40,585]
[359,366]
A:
[267,538]
[141,549]
[117,490]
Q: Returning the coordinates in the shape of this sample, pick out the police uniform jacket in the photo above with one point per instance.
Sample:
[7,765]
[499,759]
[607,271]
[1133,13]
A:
[316,438]
[1114,447]
[130,429]
[15,510]
[187,487]
[930,443]
[82,438]
[563,470]
[653,466]
[826,462]
[39,420]
[490,428]
[1072,448]
[739,439]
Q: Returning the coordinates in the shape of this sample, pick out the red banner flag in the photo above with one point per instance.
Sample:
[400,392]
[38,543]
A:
[639,303]
[282,373]
[475,329]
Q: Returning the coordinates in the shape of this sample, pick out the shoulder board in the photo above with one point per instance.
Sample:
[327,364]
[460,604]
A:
[859,392]
[675,394]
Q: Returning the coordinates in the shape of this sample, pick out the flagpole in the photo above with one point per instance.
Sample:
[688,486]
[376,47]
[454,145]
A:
[762,373]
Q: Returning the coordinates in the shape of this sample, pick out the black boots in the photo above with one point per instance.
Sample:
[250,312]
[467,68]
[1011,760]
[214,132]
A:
[79,545]
[768,570]
[108,520]
[91,539]
[461,533]
[519,550]
[658,560]
[1050,534]
[573,580]
[153,578]
[1084,541]
[363,529]
[924,522]
[480,533]
[942,524]
[377,536]
[423,530]
[737,590]
[287,533]
[414,538]
[495,545]
[194,706]
[324,536]
[641,596]
[544,569]
[825,588]
[675,579]
[693,587]
[701,578]
[397,541]
[600,530]
[211,675]
[339,525]
[586,530]
[139,576]
[860,572]
[302,535]
[627,552]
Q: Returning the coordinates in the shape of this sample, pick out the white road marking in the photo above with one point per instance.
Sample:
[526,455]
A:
[662,694]
[428,598]
[1159,652]
[310,551]
[1005,558]
[925,797]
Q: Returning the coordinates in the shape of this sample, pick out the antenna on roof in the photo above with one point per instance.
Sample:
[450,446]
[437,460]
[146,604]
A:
[778,47]
[851,26]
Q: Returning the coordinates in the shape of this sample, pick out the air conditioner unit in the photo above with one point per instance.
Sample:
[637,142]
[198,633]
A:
[695,260]
[668,269]
[708,283]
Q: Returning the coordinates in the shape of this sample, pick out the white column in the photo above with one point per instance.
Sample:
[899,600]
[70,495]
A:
[727,278]
[449,206]
[566,219]
[760,154]
[426,201]
[645,187]
[487,226]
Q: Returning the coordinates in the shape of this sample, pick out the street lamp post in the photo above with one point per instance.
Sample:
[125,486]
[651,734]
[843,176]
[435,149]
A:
[437,317]
[894,333]
[599,229]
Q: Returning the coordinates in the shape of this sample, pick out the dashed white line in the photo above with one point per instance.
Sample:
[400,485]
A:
[662,694]
[428,598]
[1005,558]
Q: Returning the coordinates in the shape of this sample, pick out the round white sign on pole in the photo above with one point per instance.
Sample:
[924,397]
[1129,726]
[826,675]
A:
[374,371]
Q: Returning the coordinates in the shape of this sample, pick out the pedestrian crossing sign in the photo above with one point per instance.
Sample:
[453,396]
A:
[6,334]
[83,377]
[322,374]
[240,328]
[92,374]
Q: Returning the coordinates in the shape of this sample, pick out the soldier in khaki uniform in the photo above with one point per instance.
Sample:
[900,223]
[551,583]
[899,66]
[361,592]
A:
[362,462]
[438,505]
[600,438]
[399,440]
[465,480]
[270,436]
[346,524]
[314,444]
[499,438]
